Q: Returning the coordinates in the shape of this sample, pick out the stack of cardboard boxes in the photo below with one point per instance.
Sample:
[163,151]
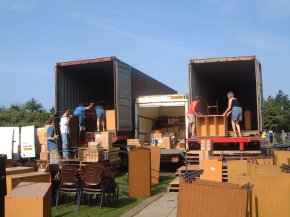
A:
[42,141]
[206,146]
[94,152]
[161,140]
[168,138]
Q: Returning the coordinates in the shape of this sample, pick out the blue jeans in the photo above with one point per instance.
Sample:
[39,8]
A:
[237,113]
[65,144]
[81,120]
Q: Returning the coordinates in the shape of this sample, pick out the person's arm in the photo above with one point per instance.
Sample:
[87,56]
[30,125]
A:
[228,110]
[90,106]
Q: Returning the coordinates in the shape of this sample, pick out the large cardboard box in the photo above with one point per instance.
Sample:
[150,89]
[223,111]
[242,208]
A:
[29,199]
[105,138]
[44,148]
[13,180]
[110,120]
[44,156]
[165,142]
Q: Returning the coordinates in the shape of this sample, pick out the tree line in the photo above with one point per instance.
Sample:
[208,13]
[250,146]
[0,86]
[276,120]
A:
[30,113]
[276,113]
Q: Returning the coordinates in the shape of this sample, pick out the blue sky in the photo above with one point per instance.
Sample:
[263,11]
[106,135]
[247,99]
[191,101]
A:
[157,37]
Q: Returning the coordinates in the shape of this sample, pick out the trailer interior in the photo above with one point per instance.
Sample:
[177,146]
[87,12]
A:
[160,117]
[91,82]
[212,81]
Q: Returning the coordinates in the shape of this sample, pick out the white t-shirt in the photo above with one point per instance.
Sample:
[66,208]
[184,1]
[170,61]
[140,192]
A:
[64,128]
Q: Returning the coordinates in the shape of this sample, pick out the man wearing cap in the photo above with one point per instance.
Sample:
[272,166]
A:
[192,112]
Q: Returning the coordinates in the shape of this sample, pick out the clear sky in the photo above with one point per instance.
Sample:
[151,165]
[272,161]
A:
[156,37]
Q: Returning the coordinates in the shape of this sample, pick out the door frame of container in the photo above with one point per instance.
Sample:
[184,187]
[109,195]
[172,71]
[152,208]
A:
[123,96]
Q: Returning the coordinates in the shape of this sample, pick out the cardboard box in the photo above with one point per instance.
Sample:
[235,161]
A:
[206,145]
[105,138]
[44,156]
[44,148]
[134,142]
[203,145]
[209,145]
[165,142]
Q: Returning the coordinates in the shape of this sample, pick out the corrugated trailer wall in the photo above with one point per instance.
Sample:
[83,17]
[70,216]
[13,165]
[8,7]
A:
[143,85]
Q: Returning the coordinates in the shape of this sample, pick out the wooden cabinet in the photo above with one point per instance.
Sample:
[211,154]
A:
[13,180]
[211,125]
[18,170]
[139,173]
[204,198]
[29,199]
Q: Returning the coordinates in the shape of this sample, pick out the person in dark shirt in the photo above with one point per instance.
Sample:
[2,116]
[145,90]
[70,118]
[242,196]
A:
[101,117]
[237,113]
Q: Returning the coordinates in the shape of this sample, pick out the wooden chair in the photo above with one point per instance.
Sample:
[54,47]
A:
[110,190]
[91,184]
[69,183]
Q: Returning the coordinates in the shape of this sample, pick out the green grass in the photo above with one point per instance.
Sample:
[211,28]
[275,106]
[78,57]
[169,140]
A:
[125,203]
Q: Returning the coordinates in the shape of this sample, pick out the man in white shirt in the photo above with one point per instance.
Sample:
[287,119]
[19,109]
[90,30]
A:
[64,130]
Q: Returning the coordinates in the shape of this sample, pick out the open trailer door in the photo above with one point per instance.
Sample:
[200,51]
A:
[28,142]
[123,96]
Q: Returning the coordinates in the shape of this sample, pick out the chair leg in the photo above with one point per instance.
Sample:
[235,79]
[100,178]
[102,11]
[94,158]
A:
[78,199]
[57,198]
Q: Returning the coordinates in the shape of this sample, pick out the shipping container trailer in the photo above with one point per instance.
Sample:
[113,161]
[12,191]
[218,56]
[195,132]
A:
[107,80]
[212,78]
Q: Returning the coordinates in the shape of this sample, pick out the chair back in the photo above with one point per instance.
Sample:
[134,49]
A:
[92,178]
[69,175]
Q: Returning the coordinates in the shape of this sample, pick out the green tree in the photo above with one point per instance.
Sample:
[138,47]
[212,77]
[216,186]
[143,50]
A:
[31,113]
[277,112]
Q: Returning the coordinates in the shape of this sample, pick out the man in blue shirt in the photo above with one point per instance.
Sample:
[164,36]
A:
[80,112]
[52,142]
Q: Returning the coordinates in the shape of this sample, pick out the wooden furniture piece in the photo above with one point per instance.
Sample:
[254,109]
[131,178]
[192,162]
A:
[139,173]
[13,180]
[29,199]
[155,164]
[213,170]
[211,125]
[202,198]
[18,170]
[281,157]
[270,195]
